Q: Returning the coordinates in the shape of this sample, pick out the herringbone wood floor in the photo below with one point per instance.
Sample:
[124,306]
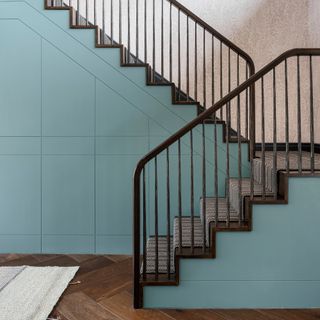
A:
[102,289]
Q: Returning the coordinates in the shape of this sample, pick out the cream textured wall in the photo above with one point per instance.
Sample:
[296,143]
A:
[265,29]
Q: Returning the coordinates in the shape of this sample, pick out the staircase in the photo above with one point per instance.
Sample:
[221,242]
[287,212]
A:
[238,152]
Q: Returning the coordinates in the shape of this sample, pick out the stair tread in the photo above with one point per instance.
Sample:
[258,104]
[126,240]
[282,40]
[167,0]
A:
[293,159]
[246,187]
[162,255]
[186,232]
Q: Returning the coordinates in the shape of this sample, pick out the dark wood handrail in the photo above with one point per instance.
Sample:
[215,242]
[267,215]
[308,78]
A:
[249,84]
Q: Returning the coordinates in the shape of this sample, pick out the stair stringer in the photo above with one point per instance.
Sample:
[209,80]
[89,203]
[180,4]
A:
[276,265]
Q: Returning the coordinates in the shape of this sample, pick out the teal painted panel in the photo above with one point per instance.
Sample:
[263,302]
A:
[68,195]
[275,265]
[68,145]
[20,195]
[20,243]
[68,95]
[20,84]
[20,145]
[66,244]
[121,145]
[235,295]
[114,244]
[114,209]
[115,116]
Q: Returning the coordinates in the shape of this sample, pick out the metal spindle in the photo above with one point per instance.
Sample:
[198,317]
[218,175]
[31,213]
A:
[120,21]
[103,23]
[227,166]
[145,33]
[274,155]
[154,41]
[312,157]
[287,115]
[212,72]
[188,68]
[239,143]
[247,105]
[156,224]
[111,21]
[221,80]
[94,12]
[179,195]
[195,62]
[170,45]
[137,31]
[87,13]
[215,137]
[129,54]
[204,184]
[162,42]
[299,116]
[192,191]
[144,209]
[229,89]
[168,217]
[204,69]
[78,13]
[263,146]
[179,56]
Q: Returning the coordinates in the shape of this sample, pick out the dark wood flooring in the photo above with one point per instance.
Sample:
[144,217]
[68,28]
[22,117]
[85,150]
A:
[102,289]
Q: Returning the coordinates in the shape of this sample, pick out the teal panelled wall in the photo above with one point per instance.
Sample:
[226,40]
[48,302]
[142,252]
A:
[277,265]
[73,125]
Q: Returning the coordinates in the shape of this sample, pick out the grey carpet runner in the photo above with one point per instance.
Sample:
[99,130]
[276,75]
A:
[218,208]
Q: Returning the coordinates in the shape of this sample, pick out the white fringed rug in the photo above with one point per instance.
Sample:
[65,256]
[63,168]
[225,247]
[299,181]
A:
[30,293]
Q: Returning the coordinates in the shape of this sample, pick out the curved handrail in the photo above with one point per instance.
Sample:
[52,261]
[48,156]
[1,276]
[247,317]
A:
[204,115]
[217,34]
[249,84]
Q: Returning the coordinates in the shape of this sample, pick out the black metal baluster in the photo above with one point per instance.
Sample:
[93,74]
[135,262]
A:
[204,185]
[156,222]
[192,191]
[179,56]
[120,21]
[129,33]
[241,218]
[195,61]
[247,106]
[170,44]
[168,217]
[137,31]
[287,123]
[179,196]
[299,116]
[111,21]
[94,12]
[275,153]
[162,42]
[212,72]
[144,209]
[312,156]
[227,166]
[204,70]
[229,89]
[87,13]
[78,13]
[216,192]
[154,41]
[221,80]
[188,69]
[263,145]
[145,33]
